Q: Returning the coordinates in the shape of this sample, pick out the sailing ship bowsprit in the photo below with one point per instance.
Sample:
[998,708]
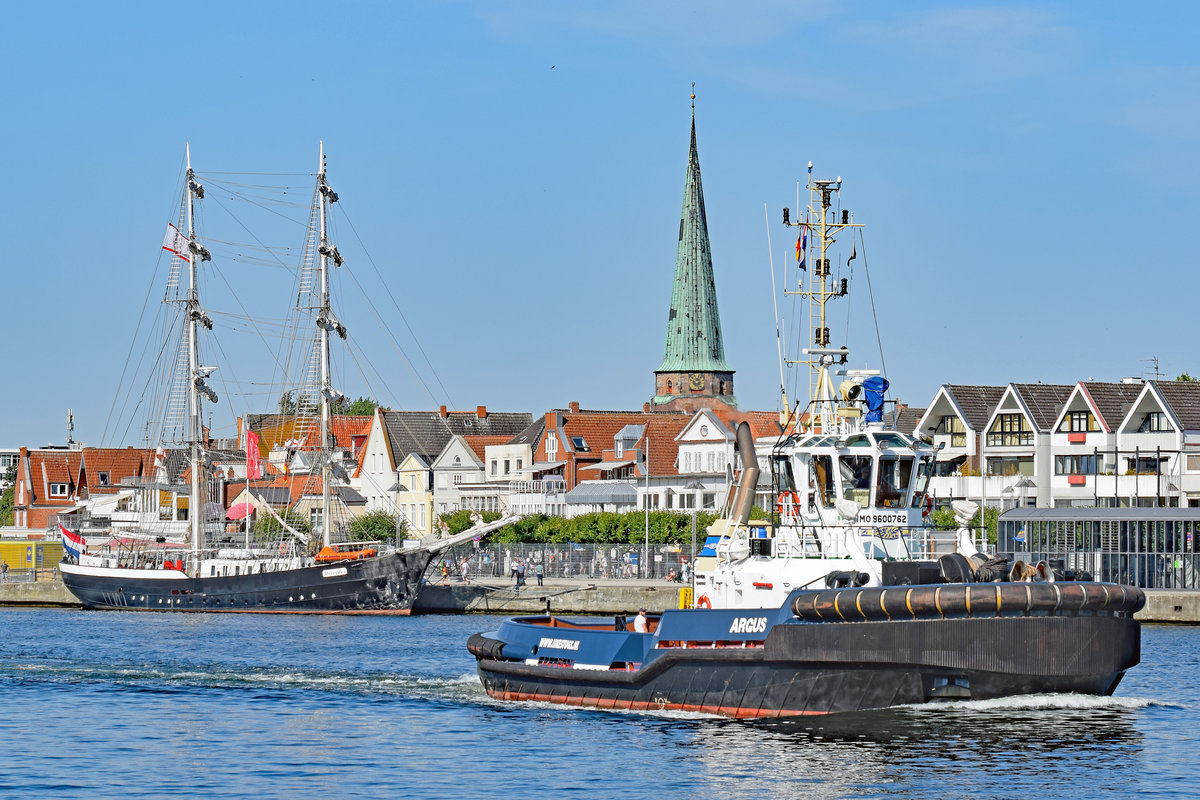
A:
[165,568]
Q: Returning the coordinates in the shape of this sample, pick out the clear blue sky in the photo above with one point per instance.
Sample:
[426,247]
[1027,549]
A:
[1027,173]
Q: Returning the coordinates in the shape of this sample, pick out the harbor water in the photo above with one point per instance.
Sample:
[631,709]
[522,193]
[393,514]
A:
[129,705]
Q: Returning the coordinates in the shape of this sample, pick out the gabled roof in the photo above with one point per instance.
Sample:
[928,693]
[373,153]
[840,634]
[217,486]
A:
[1044,401]
[908,418]
[119,463]
[762,423]
[52,466]
[1184,399]
[976,402]
[427,432]
[1111,400]
[479,443]
[275,429]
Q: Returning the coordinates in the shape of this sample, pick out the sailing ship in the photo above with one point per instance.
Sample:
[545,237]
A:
[849,602]
[189,562]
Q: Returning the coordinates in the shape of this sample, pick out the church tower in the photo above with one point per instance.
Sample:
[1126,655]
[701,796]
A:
[693,373]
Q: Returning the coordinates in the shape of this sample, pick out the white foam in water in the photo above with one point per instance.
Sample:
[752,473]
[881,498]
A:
[1039,702]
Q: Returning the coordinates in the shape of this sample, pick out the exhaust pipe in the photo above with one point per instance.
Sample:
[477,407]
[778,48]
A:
[743,499]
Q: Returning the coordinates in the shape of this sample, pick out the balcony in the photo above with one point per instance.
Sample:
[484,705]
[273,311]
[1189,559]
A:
[973,486]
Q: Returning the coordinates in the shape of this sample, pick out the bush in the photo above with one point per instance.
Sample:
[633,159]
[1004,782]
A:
[666,527]
[377,526]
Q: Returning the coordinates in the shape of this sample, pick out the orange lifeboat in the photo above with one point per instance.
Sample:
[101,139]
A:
[333,553]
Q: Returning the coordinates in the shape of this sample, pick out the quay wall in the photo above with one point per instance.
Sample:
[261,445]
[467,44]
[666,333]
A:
[598,598]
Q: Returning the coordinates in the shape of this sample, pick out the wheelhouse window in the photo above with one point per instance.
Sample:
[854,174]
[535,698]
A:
[895,474]
[823,473]
[1078,422]
[1010,430]
[856,478]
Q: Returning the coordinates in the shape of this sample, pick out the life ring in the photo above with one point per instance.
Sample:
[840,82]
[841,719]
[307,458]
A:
[283,548]
[703,602]
[927,506]
[783,501]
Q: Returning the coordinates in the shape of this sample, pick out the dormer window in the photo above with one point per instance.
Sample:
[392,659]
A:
[102,478]
[619,448]
[58,490]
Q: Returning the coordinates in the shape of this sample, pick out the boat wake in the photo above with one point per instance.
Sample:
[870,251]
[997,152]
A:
[261,682]
[1040,702]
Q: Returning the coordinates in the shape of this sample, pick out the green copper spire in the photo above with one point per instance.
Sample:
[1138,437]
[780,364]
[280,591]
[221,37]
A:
[694,341]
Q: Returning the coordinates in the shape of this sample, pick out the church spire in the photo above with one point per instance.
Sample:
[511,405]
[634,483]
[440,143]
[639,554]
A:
[694,363]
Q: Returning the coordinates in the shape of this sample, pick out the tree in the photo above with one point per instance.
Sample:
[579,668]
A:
[1185,377]
[362,407]
[6,497]
[287,403]
[377,526]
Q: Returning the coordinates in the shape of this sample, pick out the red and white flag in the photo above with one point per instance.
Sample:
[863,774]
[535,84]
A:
[73,543]
[253,459]
[175,242]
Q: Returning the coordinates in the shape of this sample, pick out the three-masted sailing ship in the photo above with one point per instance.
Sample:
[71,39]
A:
[166,568]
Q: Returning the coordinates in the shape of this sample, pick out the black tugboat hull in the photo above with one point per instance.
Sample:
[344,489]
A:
[386,583]
[835,667]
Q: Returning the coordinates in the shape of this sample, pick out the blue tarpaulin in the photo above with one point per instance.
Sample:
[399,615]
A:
[873,389]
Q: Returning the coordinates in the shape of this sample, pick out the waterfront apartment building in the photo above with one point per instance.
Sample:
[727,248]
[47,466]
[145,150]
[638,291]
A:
[1123,444]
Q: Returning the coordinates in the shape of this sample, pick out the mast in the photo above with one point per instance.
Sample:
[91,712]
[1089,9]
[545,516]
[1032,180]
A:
[326,322]
[822,220]
[197,373]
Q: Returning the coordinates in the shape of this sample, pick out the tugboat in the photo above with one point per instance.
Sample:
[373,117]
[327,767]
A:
[851,602]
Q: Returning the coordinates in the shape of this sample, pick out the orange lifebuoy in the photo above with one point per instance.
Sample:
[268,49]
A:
[928,506]
[703,602]
[784,500]
[283,548]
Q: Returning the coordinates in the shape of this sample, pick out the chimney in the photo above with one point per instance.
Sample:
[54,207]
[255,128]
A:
[646,408]
[481,412]
[443,412]
[574,406]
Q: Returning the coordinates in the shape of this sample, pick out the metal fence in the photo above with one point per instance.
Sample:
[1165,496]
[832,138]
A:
[579,561]
[1150,548]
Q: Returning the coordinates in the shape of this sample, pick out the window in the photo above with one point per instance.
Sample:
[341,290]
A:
[619,448]
[1010,430]
[551,446]
[1010,465]
[823,469]
[856,478]
[103,478]
[1147,465]
[507,466]
[520,463]
[457,478]
[953,427]
[494,468]
[1078,465]
[315,517]
[712,461]
[1078,422]
[1193,463]
[894,477]
[1154,422]
[58,490]
[580,444]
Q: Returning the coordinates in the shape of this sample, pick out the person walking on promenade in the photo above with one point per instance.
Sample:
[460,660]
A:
[466,567]
[520,574]
[540,570]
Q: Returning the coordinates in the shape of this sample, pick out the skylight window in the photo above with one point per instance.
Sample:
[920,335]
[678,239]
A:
[580,444]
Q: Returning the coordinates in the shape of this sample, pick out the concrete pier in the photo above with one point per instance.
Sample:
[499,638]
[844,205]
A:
[572,596]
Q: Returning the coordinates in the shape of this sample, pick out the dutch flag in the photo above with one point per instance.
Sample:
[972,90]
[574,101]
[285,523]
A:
[73,543]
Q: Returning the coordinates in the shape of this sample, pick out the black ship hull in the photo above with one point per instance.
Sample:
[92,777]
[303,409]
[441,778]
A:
[802,667]
[386,583]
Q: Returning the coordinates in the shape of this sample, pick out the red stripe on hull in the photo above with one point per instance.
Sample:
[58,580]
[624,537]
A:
[609,703]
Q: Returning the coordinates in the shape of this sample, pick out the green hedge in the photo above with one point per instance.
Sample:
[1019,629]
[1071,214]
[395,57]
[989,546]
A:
[666,527]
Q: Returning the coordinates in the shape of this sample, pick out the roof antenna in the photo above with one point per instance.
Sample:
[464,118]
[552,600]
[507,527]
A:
[70,428]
